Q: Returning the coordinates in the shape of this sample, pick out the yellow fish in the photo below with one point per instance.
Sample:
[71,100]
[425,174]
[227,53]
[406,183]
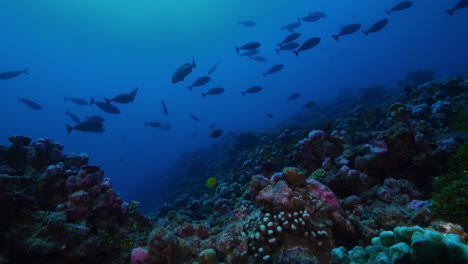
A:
[211,182]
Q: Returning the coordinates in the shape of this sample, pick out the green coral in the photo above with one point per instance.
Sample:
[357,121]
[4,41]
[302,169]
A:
[450,195]
[318,174]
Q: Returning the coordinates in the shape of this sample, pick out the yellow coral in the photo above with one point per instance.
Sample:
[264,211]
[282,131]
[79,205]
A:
[295,177]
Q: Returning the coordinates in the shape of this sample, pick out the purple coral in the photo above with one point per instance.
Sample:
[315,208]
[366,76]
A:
[139,255]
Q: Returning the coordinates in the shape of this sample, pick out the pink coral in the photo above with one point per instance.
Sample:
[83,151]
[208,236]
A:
[139,255]
[322,191]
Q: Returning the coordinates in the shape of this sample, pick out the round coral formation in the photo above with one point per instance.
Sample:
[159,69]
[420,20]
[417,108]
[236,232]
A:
[295,177]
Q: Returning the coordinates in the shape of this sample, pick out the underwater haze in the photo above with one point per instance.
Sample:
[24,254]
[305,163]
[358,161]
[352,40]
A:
[103,48]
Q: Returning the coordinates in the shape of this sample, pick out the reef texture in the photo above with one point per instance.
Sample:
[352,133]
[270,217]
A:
[324,192]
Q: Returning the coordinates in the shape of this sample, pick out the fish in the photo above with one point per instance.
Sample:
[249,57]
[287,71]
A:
[461,4]
[308,44]
[258,58]
[124,98]
[73,116]
[291,27]
[216,133]
[376,27]
[96,118]
[164,107]
[87,126]
[213,68]
[290,38]
[153,124]
[105,106]
[214,91]
[270,115]
[75,100]
[312,17]
[247,23]
[346,30]
[309,105]
[250,53]
[182,72]
[249,46]
[288,46]
[195,118]
[211,182]
[274,69]
[199,82]
[400,6]
[30,104]
[253,89]
[294,96]
[12,74]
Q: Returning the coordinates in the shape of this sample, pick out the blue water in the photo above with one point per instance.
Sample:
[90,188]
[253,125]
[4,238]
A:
[84,48]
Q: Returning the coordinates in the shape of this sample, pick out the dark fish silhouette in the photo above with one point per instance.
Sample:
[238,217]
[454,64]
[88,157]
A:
[213,68]
[346,30]
[87,126]
[249,46]
[459,5]
[153,124]
[164,107]
[183,71]
[75,100]
[105,106]
[214,91]
[270,115]
[312,17]
[294,96]
[258,58]
[124,98]
[216,133]
[95,118]
[254,89]
[199,82]
[247,23]
[309,105]
[400,6]
[30,104]
[250,53]
[274,69]
[195,118]
[308,44]
[293,26]
[287,46]
[72,116]
[376,27]
[11,74]
[291,37]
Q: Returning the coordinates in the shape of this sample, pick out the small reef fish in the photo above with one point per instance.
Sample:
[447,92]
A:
[287,46]
[105,106]
[213,68]
[75,100]
[247,23]
[376,27]
[153,124]
[12,74]
[124,98]
[293,26]
[346,30]
[308,44]
[312,17]
[249,46]
[258,58]
[194,117]
[290,38]
[182,72]
[270,115]
[72,116]
[214,91]
[309,105]
[400,6]
[274,69]
[216,133]
[164,107]
[254,89]
[459,5]
[211,182]
[87,126]
[96,118]
[199,82]
[294,96]
[30,104]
